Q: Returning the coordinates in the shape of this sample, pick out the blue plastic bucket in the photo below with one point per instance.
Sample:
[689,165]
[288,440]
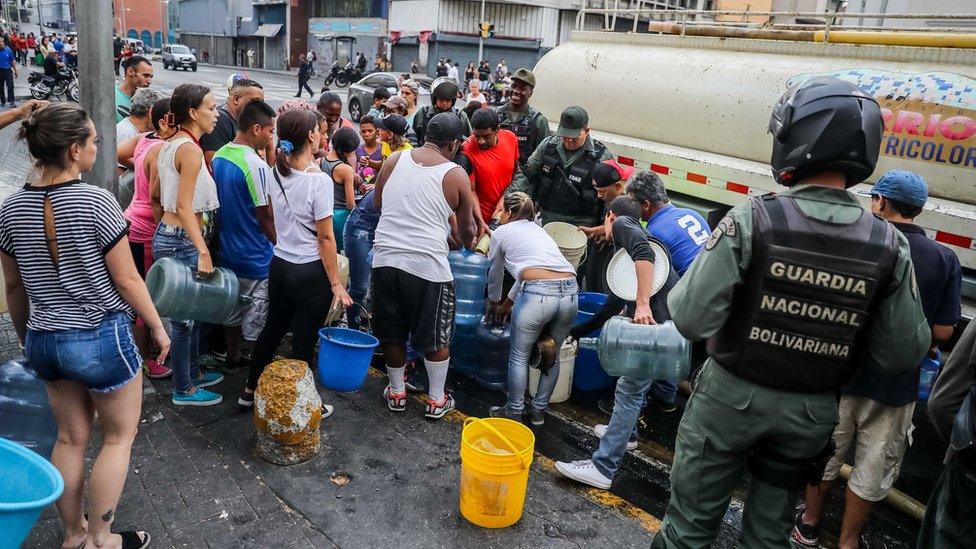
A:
[344,357]
[30,483]
[589,375]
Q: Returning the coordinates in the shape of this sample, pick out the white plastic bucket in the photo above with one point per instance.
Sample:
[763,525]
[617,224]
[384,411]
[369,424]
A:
[564,382]
[571,241]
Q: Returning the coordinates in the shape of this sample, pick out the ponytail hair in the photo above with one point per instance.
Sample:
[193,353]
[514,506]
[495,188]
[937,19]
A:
[519,206]
[293,127]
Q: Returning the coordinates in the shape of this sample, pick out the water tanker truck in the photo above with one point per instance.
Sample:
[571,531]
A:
[694,108]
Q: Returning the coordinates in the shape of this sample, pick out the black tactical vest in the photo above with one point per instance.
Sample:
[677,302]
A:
[799,320]
[525,130]
[422,118]
[569,191]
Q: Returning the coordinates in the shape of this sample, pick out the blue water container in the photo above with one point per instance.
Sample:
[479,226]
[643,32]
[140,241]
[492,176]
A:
[929,371]
[25,413]
[470,270]
[639,351]
[30,483]
[588,374]
[493,342]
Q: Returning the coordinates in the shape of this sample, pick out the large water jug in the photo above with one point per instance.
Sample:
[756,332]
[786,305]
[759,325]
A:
[464,346]
[589,376]
[929,370]
[493,341]
[470,272]
[640,351]
[25,413]
[177,292]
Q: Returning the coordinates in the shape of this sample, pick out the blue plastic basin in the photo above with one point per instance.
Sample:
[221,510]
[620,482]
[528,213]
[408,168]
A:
[29,484]
[588,374]
[344,357]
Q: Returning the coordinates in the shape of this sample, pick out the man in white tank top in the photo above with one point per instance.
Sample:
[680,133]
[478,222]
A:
[417,191]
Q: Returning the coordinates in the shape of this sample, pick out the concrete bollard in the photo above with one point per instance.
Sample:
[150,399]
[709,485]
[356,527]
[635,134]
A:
[287,413]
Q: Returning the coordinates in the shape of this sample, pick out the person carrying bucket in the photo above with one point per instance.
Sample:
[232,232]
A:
[417,191]
[622,227]
[544,300]
[610,181]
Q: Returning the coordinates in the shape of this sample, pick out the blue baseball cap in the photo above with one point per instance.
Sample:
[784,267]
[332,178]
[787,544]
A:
[902,186]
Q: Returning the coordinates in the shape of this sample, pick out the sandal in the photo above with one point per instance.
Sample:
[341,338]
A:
[133,540]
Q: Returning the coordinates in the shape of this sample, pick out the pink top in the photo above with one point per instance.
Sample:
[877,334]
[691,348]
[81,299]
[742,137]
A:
[139,214]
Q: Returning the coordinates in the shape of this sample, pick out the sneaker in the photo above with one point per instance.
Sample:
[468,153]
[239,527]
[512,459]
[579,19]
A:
[601,430]
[200,397]
[413,379]
[208,362]
[805,534]
[437,410]
[208,379]
[396,402]
[219,356]
[664,407]
[584,471]
[537,417]
[155,370]
[246,399]
[606,405]
[502,412]
[327,410]
[235,365]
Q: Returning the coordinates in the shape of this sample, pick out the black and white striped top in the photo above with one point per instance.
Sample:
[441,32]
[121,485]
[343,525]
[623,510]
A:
[88,221]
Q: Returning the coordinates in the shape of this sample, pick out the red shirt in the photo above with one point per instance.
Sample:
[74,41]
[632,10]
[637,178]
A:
[492,169]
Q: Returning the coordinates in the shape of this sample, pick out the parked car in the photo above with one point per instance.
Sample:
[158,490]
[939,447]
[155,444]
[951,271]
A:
[361,93]
[178,56]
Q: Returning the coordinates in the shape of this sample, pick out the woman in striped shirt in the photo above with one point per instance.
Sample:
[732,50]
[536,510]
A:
[71,286]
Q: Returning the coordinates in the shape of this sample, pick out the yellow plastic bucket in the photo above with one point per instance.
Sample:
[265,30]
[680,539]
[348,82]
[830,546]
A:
[495,457]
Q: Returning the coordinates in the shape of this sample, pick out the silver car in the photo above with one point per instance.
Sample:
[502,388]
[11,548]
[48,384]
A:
[178,56]
[361,93]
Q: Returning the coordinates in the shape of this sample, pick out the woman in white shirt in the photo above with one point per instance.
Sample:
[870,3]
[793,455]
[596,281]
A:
[303,282]
[189,197]
[474,93]
[544,297]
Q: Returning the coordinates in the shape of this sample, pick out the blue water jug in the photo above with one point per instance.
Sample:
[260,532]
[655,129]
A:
[929,370]
[640,351]
[177,292]
[464,346]
[470,272]
[25,413]
[588,375]
[493,342]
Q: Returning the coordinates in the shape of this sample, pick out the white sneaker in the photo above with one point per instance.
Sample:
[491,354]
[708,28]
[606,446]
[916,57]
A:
[584,471]
[601,430]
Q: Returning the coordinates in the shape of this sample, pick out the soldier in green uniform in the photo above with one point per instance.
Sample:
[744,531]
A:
[793,292]
[528,124]
[443,94]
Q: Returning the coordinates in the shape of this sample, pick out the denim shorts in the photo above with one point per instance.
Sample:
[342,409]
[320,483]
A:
[103,359]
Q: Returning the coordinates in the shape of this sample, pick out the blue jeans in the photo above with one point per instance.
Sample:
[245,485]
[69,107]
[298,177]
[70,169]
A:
[664,391]
[358,244]
[184,351]
[548,305]
[102,359]
[627,404]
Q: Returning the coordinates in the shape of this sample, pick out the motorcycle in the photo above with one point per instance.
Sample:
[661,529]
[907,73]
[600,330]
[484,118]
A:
[499,91]
[348,74]
[43,87]
[333,73]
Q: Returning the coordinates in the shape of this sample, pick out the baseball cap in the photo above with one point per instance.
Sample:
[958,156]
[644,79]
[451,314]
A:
[393,123]
[609,172]
[572,121]
[395,102]
[902,186]
[525,75]
[444,127]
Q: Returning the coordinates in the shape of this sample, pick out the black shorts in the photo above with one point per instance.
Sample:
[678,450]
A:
[405,306]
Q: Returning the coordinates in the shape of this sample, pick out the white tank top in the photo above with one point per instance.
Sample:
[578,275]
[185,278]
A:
[205,193]
[413,229]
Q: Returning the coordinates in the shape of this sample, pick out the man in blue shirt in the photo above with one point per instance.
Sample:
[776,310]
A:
[876,409]
[683,231]
[8,71]
[245,223]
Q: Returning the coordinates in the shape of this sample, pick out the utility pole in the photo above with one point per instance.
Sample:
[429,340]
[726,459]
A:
[96,77]
[17,10]
[40,19]
[481,35]
[213,50]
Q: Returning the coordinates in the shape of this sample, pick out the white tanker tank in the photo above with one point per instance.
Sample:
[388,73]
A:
[695,109]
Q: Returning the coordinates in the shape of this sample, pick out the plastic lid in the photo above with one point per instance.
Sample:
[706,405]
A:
[622,275]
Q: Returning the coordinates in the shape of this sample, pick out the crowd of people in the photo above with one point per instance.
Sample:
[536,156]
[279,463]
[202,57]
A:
[276,195]
[18,49]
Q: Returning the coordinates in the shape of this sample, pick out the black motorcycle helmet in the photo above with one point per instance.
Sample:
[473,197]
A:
[825,124]
[444,88]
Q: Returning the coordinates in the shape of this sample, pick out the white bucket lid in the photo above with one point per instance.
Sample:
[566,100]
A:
[567,236]
[622,275]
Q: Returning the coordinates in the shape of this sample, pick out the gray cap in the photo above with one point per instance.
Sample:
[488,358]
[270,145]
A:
[445,127]
[572,122]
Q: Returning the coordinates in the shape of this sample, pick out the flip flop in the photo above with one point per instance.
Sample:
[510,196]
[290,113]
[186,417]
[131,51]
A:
[132,540]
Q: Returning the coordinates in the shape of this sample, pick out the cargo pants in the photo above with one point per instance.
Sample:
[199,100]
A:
[726,417]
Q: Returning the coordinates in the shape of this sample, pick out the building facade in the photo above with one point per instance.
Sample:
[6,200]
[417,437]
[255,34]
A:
[242,33]
[339,30]
[144,20]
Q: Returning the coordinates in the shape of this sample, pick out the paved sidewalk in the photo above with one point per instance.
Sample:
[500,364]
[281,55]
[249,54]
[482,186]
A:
[193,482]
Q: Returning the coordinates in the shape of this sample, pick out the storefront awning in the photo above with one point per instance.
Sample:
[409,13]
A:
[269,31]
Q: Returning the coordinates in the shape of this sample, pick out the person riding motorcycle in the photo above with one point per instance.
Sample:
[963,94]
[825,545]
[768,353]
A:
[443,93]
